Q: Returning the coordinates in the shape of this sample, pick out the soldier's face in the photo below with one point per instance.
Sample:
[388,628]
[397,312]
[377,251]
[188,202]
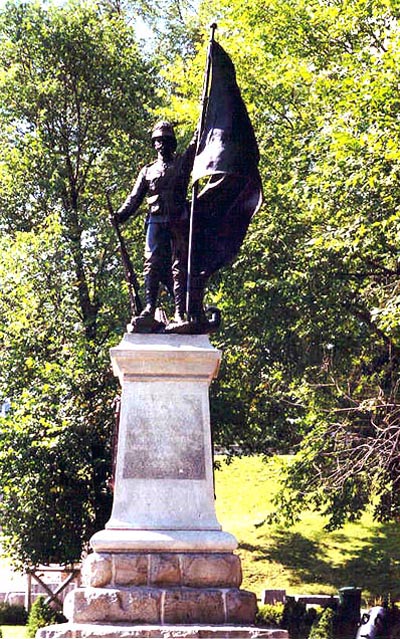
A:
[163,145]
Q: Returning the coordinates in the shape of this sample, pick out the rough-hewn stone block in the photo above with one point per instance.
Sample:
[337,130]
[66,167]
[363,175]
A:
[96,570]
[241,606]
[136,605]
[130,569]
[192,606]
[220,570]
[165,569]
[143,605]
[194,570]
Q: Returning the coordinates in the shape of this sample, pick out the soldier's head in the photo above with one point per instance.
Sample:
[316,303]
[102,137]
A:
[163,138]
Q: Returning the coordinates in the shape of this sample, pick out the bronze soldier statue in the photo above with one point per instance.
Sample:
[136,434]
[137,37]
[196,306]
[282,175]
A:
[184,248]
[165,183]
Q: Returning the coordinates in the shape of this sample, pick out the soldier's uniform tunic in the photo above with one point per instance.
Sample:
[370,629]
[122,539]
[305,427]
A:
[165,184]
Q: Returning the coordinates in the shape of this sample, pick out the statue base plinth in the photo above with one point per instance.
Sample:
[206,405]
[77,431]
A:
[160,606]
[130,540]
[161,588]
[126,631]
[162,567]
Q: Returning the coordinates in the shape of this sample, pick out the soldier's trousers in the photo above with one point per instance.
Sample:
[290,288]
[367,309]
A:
[166,257]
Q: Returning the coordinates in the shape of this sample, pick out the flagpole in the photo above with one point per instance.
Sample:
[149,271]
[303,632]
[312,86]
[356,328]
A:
[195,187]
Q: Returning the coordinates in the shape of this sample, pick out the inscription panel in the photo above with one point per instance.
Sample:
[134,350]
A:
[165,439]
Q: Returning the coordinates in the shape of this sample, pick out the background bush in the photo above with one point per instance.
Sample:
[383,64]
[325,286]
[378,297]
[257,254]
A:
[12,615]
[292,616]
[41,615]
[323,628]
[270,615]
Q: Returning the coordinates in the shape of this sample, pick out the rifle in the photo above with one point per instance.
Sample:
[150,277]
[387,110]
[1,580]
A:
[130,275]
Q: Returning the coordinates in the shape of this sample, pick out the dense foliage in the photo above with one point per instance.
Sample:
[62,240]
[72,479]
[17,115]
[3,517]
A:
[292,616]
[41,614]
[12,614]
[324,628]
[74,89]
[311,307]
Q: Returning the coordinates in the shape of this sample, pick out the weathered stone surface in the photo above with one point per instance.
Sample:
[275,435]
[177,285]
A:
[109,631]
[130,569]
[143,607]
[136,605]
[211,570]
[165,569]
[169,605]
[96,570]
[193,606]
[272,597]
[132,540]
[163,477]
[170,561]
[241,606]
[195,570]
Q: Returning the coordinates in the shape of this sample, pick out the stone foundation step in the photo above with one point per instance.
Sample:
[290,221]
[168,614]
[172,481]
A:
[125,631]
[195,570]
[161,605]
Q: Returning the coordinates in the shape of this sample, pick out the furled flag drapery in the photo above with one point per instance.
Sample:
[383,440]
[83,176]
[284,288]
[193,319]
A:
[228,156]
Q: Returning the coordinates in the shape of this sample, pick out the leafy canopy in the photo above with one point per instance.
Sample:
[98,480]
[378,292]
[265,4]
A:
[76,97]
[311,337]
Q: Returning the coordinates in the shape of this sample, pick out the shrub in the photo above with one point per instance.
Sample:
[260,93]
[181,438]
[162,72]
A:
[270,615]
[323,628]
[42,615]
[293,616]
[297,619]
[12,614]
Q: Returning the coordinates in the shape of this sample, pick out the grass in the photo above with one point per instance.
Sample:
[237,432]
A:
[14,632]
[303,558]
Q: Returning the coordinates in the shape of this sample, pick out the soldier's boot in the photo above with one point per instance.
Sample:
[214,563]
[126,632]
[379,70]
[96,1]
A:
[151,294]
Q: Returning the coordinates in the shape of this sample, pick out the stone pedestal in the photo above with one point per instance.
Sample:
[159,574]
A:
[164,495]
[162,561]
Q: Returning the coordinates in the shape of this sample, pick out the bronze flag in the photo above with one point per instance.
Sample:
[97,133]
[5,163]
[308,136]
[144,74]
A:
[228,157]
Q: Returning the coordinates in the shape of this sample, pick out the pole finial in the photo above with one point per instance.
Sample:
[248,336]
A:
[213,26]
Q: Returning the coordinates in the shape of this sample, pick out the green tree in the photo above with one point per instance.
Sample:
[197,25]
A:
[311,305]
[76,98]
